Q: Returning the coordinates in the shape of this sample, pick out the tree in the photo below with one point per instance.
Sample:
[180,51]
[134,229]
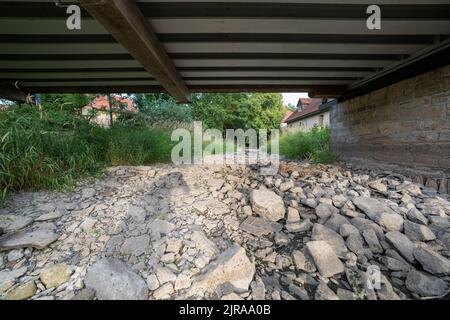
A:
[68,102]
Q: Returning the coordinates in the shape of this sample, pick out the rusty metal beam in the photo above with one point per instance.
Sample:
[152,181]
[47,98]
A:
[126,23]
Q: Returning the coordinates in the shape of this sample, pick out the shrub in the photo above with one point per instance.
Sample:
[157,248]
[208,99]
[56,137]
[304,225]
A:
[51,149]
[313,146]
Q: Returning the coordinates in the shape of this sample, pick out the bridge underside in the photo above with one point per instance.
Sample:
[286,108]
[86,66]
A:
[181,47]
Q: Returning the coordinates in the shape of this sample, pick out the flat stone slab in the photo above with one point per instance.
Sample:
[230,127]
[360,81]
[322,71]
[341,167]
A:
[232,266]
[259,226]
[38,238]
[379,212]
[12,223]
[324,258]
[112,279]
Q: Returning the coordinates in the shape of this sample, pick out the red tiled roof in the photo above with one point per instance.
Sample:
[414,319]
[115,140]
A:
[287,115]
[102,103]
[303,101]
[314,106]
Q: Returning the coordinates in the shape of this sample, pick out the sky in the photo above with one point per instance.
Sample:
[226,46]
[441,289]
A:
[292,98]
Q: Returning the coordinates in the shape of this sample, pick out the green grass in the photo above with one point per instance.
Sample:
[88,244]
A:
[313,146]
[54,148]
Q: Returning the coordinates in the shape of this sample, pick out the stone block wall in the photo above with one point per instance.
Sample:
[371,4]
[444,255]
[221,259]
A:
[405,126]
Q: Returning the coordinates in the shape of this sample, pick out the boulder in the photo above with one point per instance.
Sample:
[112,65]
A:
[325,258]
[135,245]
[322,233]
[324,210]
[232,266]
[112,279]
[36,238]
[432,261]
[267,204]
[380,213]
[13,223]
[402,244]
[418,232]
[22,292]
[55,275]
[425,285]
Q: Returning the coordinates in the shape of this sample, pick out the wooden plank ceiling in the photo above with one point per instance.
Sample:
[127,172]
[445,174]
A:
[187,46]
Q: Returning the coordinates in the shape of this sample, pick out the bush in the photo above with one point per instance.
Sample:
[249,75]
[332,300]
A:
[313,146]
[53,148]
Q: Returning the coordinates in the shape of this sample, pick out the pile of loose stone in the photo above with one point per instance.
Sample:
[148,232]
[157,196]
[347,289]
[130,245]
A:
[228,232]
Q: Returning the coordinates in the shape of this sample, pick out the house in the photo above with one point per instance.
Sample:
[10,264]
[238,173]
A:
[98,110]
[310,113]
[286,116]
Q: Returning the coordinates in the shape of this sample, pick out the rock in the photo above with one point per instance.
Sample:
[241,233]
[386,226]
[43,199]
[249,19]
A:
[355,244]
[204,244]
[247,211]
[8,278]
[164,275]
[88,224]
[22,292]
[267,204]
[231,297]
[135,245]
[112,279]
[303,262]
[15,255]
[258,289]
[138,214]
[322,233]
[12,223]
[347,229]
[160,227]
[323,292]
[378,185]
[49,216]
[402,244]
[372,240]
[409,188]
[293,215]
[88,193]
[281,239]
[259,226]
[386,291]
[345,295]
[174,245]
[163,292]
[339,201]
[418,232]
[152,282]
[285,186]
[55,275]
[324,210]
[36,238]
[416,216]
[303,226]
[309,202]
[395,264]
[84,295]
[425,285]
[380,213]
[325,258]
[231,266]
[432,261]
[183,281]
[336,221]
